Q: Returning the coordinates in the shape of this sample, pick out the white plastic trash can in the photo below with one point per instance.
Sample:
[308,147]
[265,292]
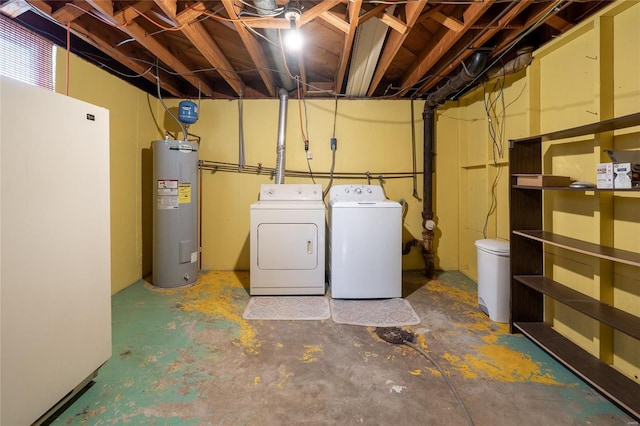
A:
[494,279]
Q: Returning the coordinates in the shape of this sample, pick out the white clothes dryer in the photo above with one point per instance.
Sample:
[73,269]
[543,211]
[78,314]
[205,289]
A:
[365,243]
[287,241]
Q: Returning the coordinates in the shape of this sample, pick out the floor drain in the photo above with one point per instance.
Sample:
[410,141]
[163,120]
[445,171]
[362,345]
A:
[395,335]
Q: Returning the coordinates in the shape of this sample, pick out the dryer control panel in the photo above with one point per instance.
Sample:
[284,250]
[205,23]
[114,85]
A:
[357,193]
[290,192]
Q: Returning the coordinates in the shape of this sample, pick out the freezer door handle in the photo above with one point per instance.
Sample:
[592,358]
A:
[309,247]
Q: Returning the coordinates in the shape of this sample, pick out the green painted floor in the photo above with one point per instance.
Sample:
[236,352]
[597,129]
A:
[187,357]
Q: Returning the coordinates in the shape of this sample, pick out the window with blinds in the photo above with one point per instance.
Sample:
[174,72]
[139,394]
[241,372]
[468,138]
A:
[25,56]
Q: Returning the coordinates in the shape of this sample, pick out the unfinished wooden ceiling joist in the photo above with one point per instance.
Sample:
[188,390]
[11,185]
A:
[233,48]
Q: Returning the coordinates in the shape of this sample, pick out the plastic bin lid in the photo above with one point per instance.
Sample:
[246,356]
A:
[493,246]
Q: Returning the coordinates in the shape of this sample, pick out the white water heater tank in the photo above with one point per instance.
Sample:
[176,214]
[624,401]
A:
[175,218]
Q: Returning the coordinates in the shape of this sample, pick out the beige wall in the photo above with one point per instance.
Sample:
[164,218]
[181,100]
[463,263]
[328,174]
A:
[131,129]
[372,136]
[588,74]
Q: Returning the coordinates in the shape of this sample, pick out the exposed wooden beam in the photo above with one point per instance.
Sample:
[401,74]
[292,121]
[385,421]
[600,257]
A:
[200,39]
[106,47]
[157,49]
[274,23]
[42,5]
[104,6]
[429,14]
[71,11]
[512,13]
[447,21]
[253,47]
[191,13]
[283,24]
[394,43]
[303,71]
[320,88]
[373,13]
[335,20]
[394,23]
[432,53]
[316,11]
[558,23]
[533,18]
[130,13]
[354,12]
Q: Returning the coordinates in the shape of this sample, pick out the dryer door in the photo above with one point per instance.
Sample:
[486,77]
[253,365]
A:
[287,246]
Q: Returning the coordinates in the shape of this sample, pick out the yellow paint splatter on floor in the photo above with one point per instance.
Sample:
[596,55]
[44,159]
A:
[506,365]
[213,294]
[310,352]
[456,294]
[417,372]
[284,376]
[256,380]
[494,360]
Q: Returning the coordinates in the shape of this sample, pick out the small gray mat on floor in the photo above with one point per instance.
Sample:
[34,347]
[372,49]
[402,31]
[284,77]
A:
[287,308]
[374,313]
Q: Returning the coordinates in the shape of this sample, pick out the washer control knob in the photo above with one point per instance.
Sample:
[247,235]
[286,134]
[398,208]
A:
[369,190]
[358,190]
[346,190]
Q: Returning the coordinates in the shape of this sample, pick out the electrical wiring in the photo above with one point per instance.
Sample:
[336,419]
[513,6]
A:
[305,138]
[184,130]
[96,16]
[333,150]
[253,6]
[101,63]
[494,120]
[178,28]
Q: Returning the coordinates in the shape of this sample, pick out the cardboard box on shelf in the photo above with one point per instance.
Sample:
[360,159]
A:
[604,176]
[622,175]
[542,180]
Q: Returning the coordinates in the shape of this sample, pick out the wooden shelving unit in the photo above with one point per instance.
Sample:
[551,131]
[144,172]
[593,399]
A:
[529,284]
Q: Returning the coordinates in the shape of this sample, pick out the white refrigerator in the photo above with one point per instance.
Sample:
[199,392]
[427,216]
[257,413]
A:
[55,266]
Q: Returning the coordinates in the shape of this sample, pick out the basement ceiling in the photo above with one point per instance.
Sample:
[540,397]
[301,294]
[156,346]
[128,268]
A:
[354,48]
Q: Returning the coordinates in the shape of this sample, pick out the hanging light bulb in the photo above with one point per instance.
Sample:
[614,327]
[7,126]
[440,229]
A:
[293,39]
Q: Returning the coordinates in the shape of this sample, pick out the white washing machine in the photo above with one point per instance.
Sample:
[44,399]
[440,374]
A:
[365,243]
[287,241]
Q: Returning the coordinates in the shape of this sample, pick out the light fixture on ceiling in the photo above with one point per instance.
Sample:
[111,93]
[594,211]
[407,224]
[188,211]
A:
[293,39]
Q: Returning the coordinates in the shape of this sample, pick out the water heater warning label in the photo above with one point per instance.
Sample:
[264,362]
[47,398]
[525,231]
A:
[184,193]
[167,194]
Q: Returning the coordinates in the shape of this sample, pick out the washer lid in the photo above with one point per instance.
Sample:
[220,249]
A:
[493,246]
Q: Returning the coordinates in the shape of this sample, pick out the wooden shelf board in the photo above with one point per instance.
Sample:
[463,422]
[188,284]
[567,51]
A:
[609,253]
[588,129]
[615,385]
[566,188]
[607,314]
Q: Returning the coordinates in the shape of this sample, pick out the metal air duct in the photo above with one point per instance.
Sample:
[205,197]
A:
[521,61]
[468,73]
[267,8]
[282,127]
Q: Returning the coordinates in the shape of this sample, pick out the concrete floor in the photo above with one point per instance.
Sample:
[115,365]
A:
[187,357]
